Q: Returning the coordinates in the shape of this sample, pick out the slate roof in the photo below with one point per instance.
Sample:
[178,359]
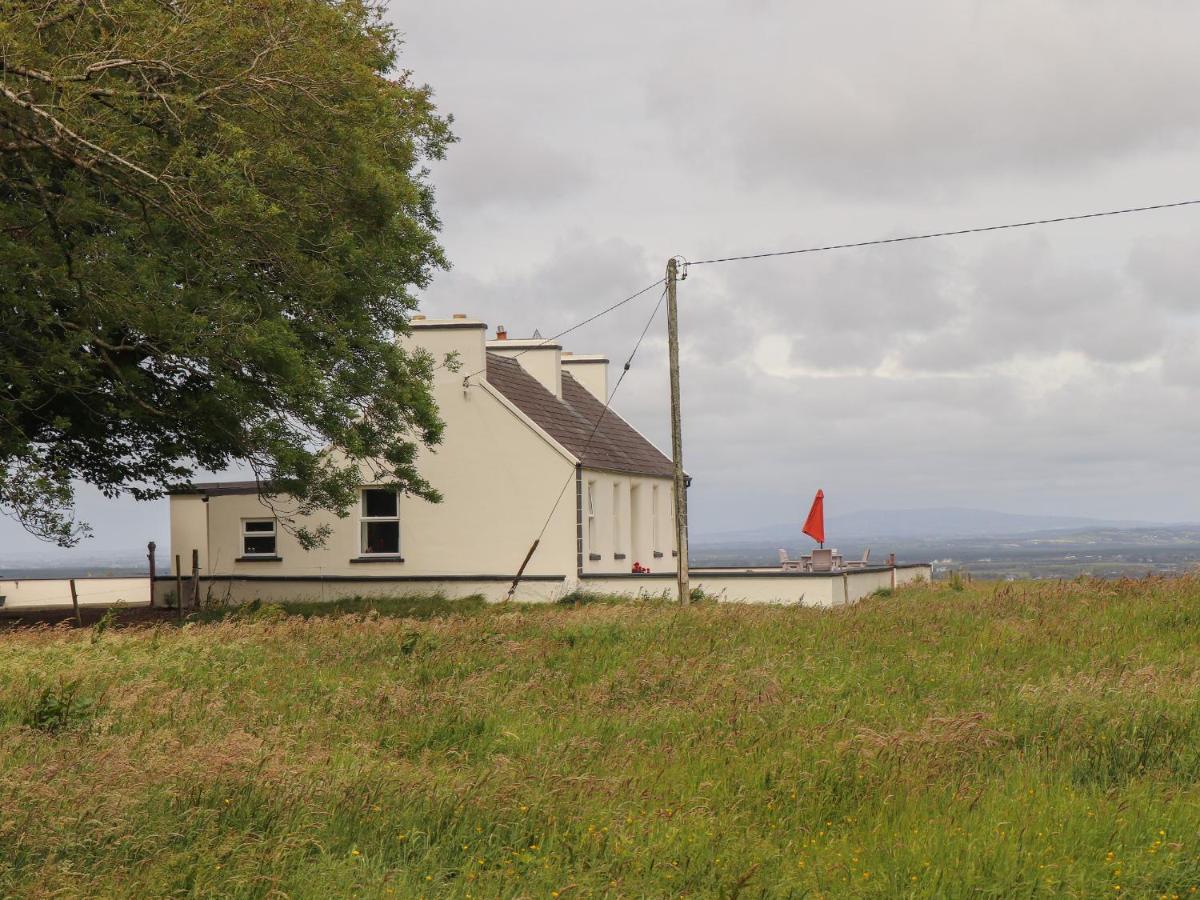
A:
[615,446]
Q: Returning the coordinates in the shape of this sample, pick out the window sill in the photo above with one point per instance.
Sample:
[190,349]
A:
[378,558]
[259,559]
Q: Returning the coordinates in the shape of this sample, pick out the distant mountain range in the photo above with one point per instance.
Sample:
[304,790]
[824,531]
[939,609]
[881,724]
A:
[944,522]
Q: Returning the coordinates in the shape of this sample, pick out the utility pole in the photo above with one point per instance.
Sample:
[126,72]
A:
[681,535]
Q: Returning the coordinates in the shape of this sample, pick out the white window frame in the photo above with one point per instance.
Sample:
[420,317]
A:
[273,534]
[591,516]
[616,518]
[654,528]
[365,520]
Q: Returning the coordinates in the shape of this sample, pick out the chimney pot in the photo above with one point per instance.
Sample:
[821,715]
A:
[460,315]
[501,333]
[418,318]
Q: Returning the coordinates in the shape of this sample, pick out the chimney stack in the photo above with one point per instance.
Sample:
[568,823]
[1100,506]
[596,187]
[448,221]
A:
[537,357]
[591,371]
[461,335]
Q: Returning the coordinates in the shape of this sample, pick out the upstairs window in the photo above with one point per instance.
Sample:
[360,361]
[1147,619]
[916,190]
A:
[258,537]
[380,522]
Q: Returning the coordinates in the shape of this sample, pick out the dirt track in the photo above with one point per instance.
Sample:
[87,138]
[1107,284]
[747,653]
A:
[136,616]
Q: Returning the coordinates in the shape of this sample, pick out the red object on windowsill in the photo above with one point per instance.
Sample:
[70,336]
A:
[639,569]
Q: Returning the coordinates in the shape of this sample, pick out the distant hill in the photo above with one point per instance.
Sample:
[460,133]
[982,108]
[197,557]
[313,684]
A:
[76,563]
[945,522]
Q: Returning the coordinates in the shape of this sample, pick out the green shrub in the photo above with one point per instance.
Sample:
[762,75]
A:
[59,708]
[106,621]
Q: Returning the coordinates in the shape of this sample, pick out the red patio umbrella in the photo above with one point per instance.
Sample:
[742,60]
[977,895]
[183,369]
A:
[814,525]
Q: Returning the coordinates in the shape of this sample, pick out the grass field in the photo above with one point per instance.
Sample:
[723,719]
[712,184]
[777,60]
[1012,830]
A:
[994,741]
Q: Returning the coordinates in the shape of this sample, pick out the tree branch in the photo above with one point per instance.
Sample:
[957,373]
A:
[72,10]
[62,129]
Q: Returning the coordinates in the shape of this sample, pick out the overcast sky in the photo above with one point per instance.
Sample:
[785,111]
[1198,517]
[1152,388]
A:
[1050,370]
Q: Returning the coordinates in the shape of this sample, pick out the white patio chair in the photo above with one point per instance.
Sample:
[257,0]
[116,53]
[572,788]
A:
[860,563]
[789,565]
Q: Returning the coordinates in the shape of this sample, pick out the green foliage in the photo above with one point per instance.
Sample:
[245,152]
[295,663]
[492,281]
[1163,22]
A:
[955,581]
[58,708]
[417,606]
[581,598]
[105,622]
[1017,740]
[212,217]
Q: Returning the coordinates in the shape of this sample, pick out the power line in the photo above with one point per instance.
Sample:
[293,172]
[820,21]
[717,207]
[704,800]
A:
[607,404]
[954,233]
[589,320]
[596,427]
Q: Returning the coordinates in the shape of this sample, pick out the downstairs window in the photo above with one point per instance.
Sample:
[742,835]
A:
[258,537]
[380,522]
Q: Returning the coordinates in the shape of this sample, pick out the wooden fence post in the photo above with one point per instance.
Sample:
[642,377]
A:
[75,603]
[179,586]
[195,579]
[150,548]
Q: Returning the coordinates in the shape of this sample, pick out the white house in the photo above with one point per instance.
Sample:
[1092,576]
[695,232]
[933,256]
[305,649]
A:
[523,421]
[527,444]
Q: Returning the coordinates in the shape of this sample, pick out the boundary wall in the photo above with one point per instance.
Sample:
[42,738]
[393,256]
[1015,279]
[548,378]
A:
[55,593]
[727,585]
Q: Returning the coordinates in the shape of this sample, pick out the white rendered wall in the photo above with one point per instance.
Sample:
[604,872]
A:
[836,589]
[55,593]
[189,531]
[732,587]
[591,372]
[498,477]
[538,358]
[637,520]
[234,592]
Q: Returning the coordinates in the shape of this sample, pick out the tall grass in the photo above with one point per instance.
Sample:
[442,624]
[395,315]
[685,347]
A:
[995,741]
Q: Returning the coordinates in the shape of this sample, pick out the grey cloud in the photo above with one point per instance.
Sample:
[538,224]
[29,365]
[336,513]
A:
[518,173]
[918,98]
[1053,370]
[1169,270]
[577,277]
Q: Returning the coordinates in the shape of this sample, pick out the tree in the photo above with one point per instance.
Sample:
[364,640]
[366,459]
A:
[212,219]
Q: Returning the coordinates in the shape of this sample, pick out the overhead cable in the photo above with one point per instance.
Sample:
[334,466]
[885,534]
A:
[941,234]
[589,320]
[596,427]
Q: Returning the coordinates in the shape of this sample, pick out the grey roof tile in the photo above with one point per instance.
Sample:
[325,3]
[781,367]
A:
[615,445]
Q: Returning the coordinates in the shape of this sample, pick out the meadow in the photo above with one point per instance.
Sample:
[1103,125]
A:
[981,740]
